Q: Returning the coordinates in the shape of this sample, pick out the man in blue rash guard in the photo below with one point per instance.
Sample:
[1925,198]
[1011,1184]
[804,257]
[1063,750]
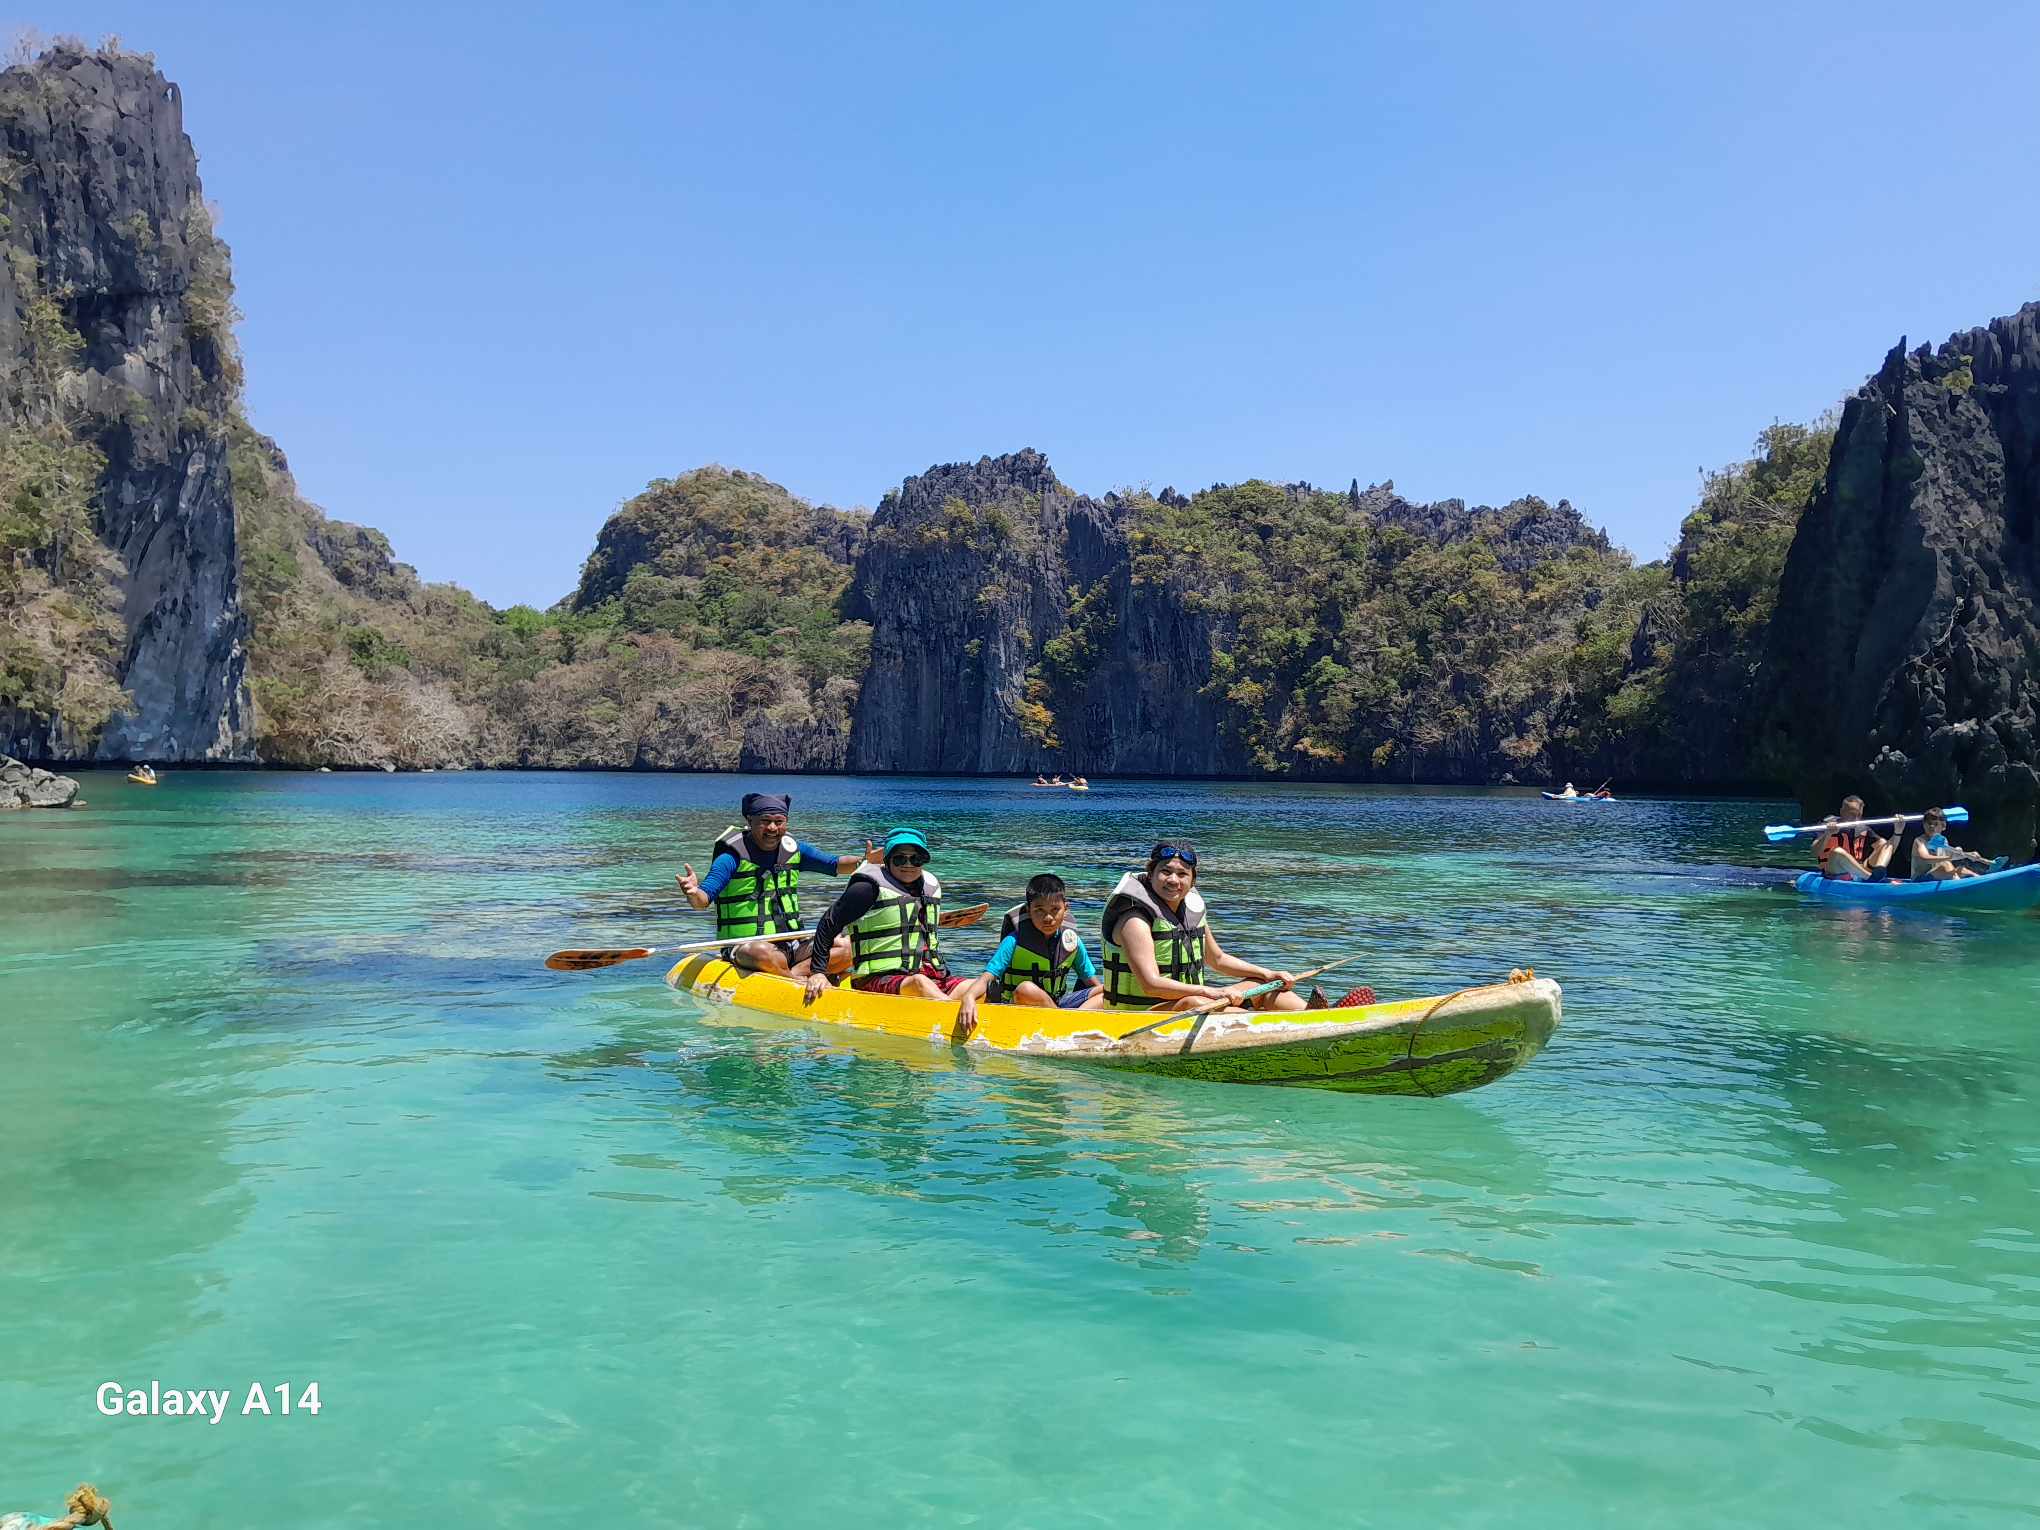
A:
[754,883]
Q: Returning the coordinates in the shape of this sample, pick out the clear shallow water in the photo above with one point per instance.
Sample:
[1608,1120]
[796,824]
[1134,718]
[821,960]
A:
[1754,1241]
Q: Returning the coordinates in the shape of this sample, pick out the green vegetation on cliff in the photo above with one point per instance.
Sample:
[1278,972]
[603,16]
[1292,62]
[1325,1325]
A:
[1359,637]
[704,624]
[1684,696]
[60,627]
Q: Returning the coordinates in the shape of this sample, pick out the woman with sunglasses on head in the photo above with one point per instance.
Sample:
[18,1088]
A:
[1158,944]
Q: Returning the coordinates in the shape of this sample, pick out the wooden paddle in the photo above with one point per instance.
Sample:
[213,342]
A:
[1204,1011]
[588,958]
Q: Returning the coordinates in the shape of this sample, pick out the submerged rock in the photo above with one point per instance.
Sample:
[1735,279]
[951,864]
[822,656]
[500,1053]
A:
[24,786]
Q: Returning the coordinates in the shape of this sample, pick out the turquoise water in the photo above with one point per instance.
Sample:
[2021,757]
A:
[1753,1242]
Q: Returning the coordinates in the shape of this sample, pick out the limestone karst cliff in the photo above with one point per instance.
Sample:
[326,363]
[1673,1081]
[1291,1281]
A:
[115,329]
[1248,629]
[1907,636]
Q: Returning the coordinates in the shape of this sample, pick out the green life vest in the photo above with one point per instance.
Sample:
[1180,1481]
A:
[757,900]
[1179,941]
[901,932]
[1044,960]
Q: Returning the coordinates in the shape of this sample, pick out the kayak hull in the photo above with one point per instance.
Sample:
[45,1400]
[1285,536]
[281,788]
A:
[2012,889]
[143,780]
[1431,1046]
[1562,797]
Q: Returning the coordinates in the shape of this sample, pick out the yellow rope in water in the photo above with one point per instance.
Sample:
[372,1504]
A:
[85,1506]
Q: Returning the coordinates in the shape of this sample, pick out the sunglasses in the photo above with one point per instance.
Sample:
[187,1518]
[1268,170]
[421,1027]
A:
[1181,853]
[908,858]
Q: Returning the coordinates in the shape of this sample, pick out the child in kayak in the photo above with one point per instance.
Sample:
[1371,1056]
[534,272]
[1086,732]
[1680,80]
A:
[1041,960]
[1934,859]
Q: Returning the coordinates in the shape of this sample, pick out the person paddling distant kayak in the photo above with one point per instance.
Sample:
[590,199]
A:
[1853,855]
[1158,943]
[754,882]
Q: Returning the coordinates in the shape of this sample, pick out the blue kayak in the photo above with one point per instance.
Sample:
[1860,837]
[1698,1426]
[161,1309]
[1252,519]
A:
[2016,887]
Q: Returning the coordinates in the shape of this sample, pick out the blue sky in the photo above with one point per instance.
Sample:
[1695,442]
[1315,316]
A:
[503,264]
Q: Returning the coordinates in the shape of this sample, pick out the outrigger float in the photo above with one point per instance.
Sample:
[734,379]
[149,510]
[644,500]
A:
[1432,1046]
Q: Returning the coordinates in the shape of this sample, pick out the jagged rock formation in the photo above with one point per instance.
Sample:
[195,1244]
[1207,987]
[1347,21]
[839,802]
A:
[1908,624]
[1529,529]
[1018,625]
[967,570]
[104,214]
[23,786]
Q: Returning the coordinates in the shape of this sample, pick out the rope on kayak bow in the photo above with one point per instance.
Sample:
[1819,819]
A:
[1516,975]
[85,1506]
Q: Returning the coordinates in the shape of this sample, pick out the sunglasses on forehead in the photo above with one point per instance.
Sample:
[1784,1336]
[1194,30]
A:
[1182,853]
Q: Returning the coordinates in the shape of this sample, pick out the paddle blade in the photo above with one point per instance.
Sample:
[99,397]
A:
[1775,832]
[962,916]
[1956,814]
[588,960]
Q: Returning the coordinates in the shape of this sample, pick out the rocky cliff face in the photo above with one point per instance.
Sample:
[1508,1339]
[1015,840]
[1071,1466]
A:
[1017,625]
[104,215]
[1908,623]
[968,569]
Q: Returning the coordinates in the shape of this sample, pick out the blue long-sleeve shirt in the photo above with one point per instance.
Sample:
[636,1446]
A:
[1002,958]
[806,858]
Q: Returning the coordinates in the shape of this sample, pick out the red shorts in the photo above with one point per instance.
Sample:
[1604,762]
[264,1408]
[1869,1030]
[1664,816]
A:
[948,981]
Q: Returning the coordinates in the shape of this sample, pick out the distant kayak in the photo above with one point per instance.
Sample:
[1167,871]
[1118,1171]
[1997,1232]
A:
[143,780]
[1580,797]
[2016,888]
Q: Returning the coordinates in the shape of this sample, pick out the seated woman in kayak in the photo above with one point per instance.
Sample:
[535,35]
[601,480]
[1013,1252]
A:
[1853,855]
[1158,943]
[1934,859]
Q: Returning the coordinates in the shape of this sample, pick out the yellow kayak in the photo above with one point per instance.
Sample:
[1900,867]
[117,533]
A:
[1431,1046]
[142,780]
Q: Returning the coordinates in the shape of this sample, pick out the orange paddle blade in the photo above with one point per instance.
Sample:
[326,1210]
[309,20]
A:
[588,960]
[971,915]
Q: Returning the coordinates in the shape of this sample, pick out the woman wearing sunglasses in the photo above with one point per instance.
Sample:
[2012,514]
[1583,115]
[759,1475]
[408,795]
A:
[893,912]
[1158,944]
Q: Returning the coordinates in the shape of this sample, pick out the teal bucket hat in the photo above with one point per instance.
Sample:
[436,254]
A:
[912,837]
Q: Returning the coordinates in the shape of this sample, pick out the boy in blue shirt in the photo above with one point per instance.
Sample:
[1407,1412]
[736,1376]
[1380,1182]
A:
[1041,959]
